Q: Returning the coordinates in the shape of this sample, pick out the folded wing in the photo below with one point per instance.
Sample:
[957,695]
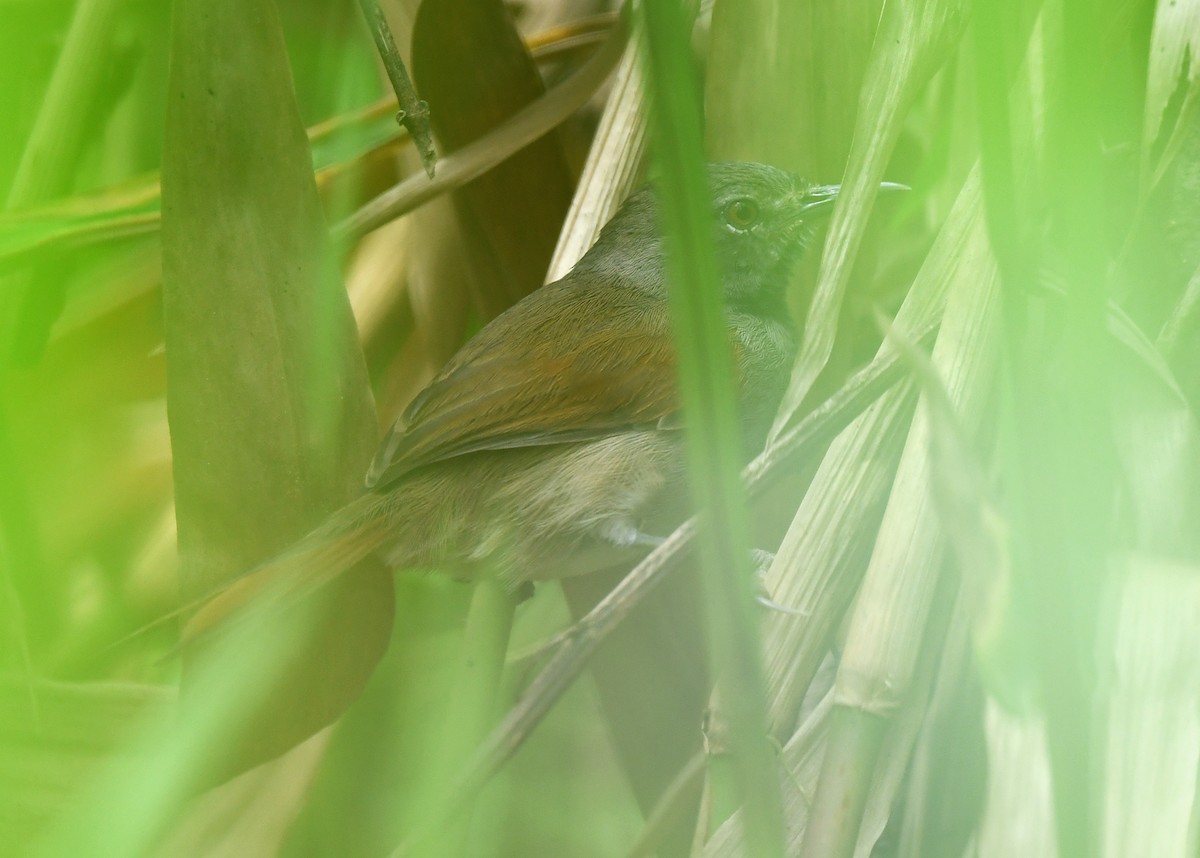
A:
[572,362]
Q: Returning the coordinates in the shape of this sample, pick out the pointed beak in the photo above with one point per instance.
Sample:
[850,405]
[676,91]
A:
[819,199]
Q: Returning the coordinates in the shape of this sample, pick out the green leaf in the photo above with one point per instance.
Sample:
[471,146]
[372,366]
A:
[271,419]
[712,439]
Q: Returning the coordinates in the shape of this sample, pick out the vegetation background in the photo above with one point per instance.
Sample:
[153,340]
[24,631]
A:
[985,507]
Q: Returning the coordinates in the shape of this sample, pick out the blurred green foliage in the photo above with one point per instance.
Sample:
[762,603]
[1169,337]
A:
[1054,153]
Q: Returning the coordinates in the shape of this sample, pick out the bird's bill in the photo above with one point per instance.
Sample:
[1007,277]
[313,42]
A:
[820,198]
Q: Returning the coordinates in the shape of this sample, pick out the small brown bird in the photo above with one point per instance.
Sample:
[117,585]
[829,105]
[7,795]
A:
[550,444]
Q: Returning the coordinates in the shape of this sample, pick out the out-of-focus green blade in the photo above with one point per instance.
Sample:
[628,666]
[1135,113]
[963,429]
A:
[135,209]
[706,382]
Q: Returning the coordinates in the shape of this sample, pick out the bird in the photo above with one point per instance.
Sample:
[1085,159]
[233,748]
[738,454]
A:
[551,443]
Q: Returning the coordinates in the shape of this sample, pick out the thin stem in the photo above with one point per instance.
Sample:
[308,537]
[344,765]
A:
[414,113]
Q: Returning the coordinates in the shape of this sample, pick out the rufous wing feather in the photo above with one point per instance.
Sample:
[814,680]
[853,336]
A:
[572,362]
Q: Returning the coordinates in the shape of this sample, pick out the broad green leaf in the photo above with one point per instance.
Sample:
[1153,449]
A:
[271,420]
[613,165]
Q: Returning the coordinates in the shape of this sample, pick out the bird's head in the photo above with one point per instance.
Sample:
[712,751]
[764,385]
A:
[763,218]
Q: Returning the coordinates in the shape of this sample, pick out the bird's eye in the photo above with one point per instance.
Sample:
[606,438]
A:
[741,214]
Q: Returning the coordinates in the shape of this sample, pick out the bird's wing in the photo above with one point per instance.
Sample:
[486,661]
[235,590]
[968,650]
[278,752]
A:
[572,362]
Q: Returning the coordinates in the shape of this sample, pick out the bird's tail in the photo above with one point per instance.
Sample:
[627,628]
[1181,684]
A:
[329,551]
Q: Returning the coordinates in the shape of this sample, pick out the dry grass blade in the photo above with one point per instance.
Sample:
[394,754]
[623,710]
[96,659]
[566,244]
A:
[914,38]
[1018,816]
[613,164]
[825,550]
[806,754]
[888,623]
[1173,72]
[875,676]
[876,665]
[940,801]
[828,544]
[801,761]
[1152,725]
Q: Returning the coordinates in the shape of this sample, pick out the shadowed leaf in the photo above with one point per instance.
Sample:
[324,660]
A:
[271,420]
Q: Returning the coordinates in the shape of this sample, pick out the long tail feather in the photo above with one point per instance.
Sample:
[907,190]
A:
[328,552]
